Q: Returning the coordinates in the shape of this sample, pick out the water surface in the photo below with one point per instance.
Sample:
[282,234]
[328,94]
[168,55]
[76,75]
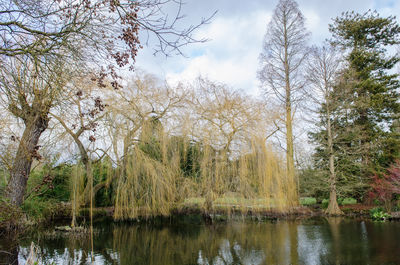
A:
[317,241]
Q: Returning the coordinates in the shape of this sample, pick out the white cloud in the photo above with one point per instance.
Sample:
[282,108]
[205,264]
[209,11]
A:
[236,35]
[231,56]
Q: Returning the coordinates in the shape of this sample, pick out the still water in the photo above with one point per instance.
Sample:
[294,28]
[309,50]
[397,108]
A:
[315,241]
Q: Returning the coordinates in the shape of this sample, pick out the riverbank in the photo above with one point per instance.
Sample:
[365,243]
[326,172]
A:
[199,215]
[189,212]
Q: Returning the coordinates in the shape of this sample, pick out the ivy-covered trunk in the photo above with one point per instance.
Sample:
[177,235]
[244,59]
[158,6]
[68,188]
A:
[27,151]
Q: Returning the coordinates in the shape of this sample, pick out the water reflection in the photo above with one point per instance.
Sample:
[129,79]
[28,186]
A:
[323,241]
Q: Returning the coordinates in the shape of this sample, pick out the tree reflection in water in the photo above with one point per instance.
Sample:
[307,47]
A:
[321,241]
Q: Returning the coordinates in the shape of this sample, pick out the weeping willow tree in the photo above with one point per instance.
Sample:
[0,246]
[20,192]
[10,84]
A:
[236,162]
[147,185]
[161,171]
[77,186]
[252,181]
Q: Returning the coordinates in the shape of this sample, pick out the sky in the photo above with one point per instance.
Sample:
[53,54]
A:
[236,34]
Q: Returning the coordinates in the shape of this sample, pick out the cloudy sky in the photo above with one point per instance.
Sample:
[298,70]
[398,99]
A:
[236,34]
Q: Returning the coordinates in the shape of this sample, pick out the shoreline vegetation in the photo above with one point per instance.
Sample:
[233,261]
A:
[224,209]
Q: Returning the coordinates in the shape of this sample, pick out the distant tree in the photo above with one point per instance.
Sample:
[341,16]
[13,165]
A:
[284,52]
[224,117]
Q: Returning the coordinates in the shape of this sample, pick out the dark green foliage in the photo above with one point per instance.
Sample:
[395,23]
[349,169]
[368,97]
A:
[368,93]
[313,183]
[366,111]
[104,197]
[60,190]
[57,186]
[39,209]
[379,214]
[190,153]
[325,203]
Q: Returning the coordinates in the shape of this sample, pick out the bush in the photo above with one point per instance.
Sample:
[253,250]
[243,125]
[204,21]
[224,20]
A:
[9,215]
[313,183]
[347,201]
[397,207]
[56,186]
[385,188]
[307,201]
[378,214]
[325,203]
[39,209]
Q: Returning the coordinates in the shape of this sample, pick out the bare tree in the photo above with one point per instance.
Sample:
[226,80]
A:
[144,97]
[284,51]
[91,29]
[322,72]
[30,93]
[225,117]
[38,38]
[79,115]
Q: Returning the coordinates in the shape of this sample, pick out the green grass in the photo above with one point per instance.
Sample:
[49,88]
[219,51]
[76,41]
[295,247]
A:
[308,201]
[229,202]
[348,201]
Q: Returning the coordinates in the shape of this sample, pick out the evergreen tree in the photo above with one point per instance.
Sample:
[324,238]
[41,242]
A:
[366,139]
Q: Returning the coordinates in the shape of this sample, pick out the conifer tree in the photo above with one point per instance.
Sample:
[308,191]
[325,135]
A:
[367,94]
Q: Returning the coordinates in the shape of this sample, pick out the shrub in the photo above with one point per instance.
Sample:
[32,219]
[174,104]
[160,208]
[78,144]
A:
[9,215]
[347,201]
[48,182]
[378,214]
[39,209]
[307,201]
[325,203]
[384,188]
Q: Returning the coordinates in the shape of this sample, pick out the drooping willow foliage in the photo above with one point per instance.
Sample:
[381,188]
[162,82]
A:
[161,171]
[77,187]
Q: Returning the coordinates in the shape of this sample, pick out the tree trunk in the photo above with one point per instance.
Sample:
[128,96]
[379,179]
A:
[27,150]
[292,184]
[333,207]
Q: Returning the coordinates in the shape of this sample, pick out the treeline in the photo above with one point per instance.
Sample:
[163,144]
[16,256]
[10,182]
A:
[149,148]
[349,90]
[73,129]
[357,136]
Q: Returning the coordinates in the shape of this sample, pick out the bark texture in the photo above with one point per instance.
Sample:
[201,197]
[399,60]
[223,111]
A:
[27,151]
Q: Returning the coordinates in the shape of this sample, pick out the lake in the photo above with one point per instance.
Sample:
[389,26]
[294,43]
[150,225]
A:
[310,241]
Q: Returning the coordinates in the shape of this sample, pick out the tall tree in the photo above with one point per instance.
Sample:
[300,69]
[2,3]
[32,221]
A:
[322,72]
[282,57]
[369,92]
